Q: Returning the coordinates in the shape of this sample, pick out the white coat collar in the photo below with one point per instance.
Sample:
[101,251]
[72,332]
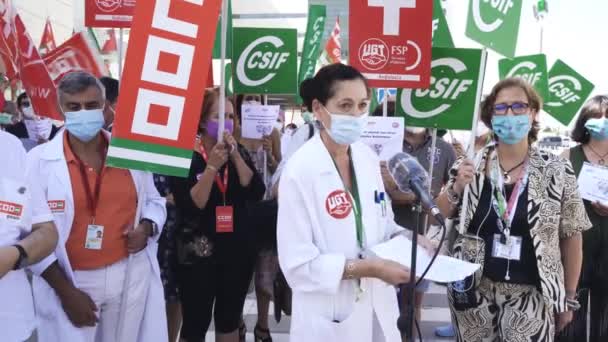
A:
[53,150]
[325,161]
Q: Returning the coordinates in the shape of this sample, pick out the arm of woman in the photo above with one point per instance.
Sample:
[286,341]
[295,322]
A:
[244,171]
[572,259]
[202,188]
[276,147]
[305,266]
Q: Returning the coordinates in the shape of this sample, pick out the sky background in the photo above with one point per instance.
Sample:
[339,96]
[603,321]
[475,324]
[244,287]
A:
[576,32]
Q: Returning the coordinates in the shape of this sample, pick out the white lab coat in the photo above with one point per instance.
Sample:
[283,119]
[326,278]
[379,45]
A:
[47,165]
[314,246]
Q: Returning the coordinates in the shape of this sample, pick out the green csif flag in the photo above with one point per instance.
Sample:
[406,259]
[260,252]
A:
[217,47]
[317,14]
[568,91]
[441,31]
[532,69]
[451,100]
[265,61]
[495,24]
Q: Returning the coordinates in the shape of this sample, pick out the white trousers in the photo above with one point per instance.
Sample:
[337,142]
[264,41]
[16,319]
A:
[105,287]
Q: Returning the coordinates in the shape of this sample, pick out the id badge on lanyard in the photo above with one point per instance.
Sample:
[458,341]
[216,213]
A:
[224,215]
[95,232]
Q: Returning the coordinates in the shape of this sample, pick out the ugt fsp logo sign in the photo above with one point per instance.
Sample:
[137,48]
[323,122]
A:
[108,5]
[374,54]
[266,61]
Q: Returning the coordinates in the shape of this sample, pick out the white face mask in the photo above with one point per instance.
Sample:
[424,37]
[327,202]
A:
[346,129]
[253,103]
[278,126]
[415,130]
[28,113]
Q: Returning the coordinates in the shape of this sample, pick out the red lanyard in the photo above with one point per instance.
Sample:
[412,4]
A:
[92,199]
[221,184]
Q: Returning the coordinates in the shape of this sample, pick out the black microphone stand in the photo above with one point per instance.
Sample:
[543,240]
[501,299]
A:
[407,315]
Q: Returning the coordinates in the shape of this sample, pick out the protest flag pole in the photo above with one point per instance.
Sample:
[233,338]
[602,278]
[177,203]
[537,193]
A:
[385,103]
[222,102]
[431,170]
[471,147]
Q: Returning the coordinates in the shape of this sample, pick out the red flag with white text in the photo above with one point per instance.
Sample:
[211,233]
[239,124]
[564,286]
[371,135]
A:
[76,54]
[34,75]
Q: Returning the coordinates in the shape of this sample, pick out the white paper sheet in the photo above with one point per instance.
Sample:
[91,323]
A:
[259,121]
[445,269]
[593,183]
[384,136]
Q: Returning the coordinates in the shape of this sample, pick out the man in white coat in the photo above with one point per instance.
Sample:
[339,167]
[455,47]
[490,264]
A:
[102,283]
[27,235]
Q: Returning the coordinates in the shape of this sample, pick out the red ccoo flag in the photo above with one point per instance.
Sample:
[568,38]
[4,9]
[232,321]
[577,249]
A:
[47,44]
[333,48]
[34,75]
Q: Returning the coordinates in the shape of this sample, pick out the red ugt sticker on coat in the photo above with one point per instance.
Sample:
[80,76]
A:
[338,204]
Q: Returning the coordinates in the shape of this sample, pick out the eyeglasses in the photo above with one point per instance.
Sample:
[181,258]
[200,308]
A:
[518,108]
[25,104]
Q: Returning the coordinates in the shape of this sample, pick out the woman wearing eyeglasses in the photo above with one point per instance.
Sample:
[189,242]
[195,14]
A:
[523,226]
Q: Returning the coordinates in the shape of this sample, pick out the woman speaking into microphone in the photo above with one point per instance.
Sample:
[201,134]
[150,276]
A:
[332,209]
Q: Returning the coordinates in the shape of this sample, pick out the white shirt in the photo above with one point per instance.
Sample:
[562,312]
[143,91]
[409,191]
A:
[17,319]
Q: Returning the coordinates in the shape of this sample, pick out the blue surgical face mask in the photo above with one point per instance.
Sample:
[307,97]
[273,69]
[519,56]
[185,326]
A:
[598,128]
[84,124]
[346,129]
[511,129]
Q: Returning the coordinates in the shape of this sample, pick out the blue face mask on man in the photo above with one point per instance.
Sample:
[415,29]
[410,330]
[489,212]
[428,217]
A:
[598,128]
[84,124]
[511,129]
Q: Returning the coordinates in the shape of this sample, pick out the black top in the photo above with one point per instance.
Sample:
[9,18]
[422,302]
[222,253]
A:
[203,220]
[524,271]
[20,131]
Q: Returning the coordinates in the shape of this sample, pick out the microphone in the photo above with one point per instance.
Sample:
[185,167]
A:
[410,176]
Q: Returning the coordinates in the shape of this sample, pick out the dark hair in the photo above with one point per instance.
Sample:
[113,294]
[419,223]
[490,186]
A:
[112,86]
[291,126]
[240,98]
[597,105]
[322,87]
[21,98]
[76,82]
[534,101]
[390,106]
[212,95]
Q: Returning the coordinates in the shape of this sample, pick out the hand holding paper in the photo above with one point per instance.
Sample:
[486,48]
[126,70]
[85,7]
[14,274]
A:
[444,270]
